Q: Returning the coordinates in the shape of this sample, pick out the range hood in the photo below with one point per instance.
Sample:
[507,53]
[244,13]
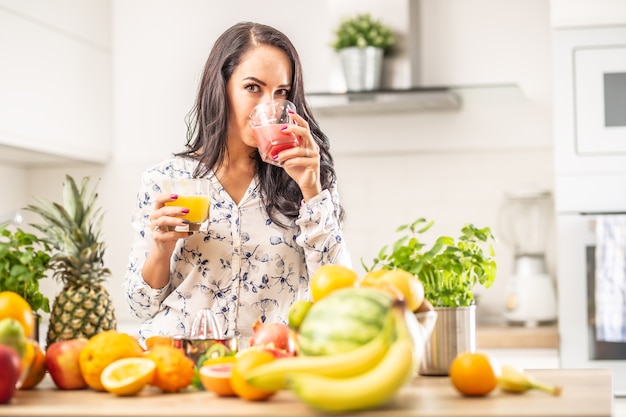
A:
[389,100]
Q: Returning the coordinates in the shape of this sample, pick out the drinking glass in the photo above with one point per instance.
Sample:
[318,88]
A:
[193,193]
[266,121]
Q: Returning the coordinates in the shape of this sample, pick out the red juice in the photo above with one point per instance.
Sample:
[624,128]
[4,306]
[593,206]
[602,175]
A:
[271,140]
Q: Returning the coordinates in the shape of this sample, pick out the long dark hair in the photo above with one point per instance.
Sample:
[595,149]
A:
[208,121]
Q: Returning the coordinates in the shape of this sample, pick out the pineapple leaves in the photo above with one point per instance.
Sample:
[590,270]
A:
[72,229]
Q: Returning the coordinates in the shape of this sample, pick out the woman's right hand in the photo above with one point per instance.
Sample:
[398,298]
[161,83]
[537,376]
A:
[164,219]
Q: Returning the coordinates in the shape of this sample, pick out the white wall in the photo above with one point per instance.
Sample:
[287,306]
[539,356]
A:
[451,167]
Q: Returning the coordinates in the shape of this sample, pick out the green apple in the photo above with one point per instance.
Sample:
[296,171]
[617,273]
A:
[12,334]
[296,313]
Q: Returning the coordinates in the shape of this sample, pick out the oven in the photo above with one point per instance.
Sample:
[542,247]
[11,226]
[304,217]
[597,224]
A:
[590,197]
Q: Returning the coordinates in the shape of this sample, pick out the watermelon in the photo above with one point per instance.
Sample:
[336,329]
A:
[343,320]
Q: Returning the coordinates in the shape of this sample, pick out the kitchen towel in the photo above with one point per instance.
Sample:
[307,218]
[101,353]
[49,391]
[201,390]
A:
[610,282]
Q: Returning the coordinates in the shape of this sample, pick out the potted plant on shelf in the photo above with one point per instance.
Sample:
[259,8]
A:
[361,42]
[449,270]
[24,260]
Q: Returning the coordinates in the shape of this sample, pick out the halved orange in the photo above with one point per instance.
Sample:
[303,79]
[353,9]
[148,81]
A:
[216,378]
[128,376]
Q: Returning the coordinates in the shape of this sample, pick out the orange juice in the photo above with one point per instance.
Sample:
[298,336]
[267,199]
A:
[198,206]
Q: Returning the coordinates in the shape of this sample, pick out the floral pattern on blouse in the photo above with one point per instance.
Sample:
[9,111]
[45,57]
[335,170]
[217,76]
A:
[243,266]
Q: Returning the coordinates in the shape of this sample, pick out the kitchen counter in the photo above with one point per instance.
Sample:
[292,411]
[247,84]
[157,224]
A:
[494,336]
[585,393]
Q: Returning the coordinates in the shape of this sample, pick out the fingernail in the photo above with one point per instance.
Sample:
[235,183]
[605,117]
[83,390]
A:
[189,233]
[185,210]
[173,196]
[290,111]
[275,157]
[283,128]
[186,221]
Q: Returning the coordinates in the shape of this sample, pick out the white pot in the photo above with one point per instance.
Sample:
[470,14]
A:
[362,67]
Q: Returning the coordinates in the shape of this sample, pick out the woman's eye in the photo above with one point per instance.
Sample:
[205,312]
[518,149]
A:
[253,88]
[282,93]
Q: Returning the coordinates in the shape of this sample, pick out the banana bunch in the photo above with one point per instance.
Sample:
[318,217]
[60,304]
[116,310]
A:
[361,379]
[516,381]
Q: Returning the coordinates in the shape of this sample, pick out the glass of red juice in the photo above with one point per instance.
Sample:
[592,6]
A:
[267,120]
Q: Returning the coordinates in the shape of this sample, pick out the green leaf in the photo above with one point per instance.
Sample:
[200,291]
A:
[450,268]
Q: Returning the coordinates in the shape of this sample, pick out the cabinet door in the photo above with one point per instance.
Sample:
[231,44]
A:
[55,90]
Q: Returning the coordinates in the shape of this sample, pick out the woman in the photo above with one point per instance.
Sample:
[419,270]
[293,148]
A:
[270,227]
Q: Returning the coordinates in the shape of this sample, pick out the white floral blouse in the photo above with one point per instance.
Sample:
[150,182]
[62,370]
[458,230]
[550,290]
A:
[243,267]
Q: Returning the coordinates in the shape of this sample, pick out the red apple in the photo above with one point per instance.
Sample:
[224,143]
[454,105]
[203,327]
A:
[274,337]
[10,370]
[62,363]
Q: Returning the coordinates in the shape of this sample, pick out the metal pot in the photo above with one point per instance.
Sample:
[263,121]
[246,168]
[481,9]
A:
[362,67]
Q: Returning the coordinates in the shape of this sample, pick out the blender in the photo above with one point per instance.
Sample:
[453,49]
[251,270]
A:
[525,221]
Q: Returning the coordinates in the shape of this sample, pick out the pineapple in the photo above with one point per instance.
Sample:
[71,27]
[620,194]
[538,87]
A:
[83,307]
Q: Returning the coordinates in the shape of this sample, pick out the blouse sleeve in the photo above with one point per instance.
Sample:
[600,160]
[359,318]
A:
[143,300]
[321,235]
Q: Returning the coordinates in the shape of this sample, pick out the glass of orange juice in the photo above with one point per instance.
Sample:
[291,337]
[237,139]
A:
[266,121]
[193,193]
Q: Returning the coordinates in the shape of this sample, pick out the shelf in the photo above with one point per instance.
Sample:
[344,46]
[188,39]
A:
[410,99]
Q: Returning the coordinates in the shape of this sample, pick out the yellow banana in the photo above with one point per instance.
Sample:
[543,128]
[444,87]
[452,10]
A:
[367,390]
[272,376]
[514,380]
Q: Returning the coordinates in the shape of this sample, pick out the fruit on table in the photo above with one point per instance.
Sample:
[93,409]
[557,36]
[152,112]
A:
[103,349]
[273,375]
[408,284]
[63,363]
[473,374]
[247,360]
[516,381]
[328,278]
[10,369]
[297,312]
[174,370]
[36,370]
[343,321]
[13,305]
[370,389]
[128,376]
[273,336]
[12,334]
[216,378]
[83,307]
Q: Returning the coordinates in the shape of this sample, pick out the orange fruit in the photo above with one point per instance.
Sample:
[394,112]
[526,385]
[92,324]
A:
[35,370]
[408,284]
[328,278]
[152,341]
[102,350]
[13,305]
[247,360]
[174,370]
[473,374]
[128,376]
[216,378]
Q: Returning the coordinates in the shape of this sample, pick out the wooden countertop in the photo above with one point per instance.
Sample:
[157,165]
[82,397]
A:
[494,336]
[585,393]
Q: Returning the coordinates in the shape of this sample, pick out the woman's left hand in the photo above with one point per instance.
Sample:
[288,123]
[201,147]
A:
[302,163]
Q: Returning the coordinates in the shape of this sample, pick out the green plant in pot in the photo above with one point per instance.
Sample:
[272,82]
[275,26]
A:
[24,260]
[361,42]
[450,270]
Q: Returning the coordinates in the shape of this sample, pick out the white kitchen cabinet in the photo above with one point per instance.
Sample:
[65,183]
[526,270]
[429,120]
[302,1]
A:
[55,86]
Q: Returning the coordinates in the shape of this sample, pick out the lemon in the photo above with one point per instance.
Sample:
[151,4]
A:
[128,376]
[328,278]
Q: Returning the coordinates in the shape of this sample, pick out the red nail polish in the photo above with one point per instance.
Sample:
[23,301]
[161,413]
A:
[290,111]
[185,210]
[174,196]
[283,128]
